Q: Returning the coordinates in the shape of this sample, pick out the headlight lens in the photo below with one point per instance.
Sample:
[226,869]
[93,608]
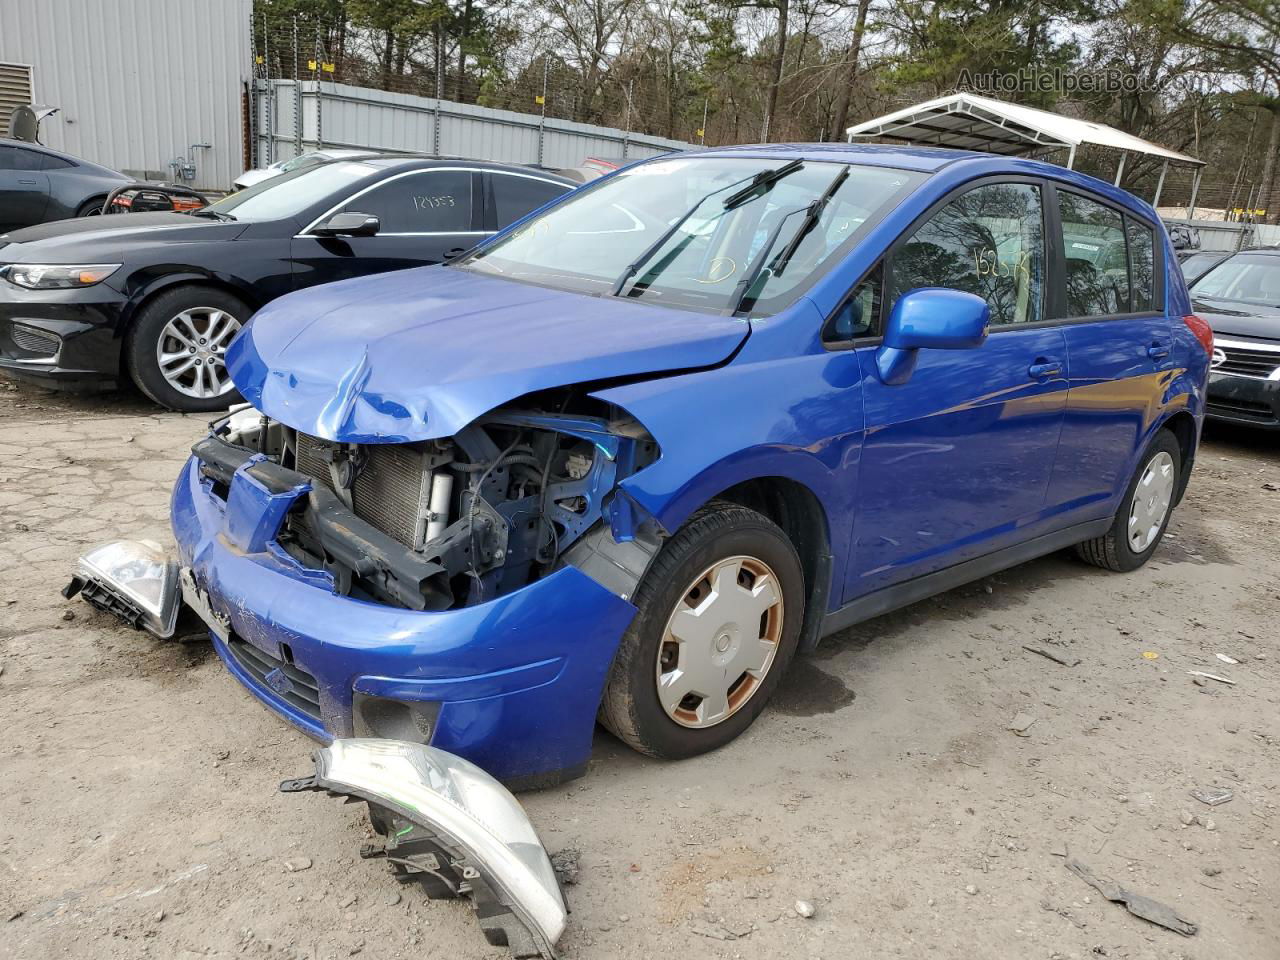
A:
[57,276]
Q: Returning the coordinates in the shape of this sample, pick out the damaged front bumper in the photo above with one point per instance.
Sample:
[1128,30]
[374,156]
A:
[446,823]
[511,684]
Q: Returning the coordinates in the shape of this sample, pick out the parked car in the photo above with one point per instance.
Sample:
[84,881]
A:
[628,457]
[1195,264]
[38,184]
[157,297]
[1240,298]
[154,198]
[300,162]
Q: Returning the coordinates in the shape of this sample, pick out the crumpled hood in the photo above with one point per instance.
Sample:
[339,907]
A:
[1228,317]
[419,354]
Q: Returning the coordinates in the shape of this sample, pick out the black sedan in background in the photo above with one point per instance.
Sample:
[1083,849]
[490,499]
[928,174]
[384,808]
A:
[1240,298]
[157,297]
[38,185]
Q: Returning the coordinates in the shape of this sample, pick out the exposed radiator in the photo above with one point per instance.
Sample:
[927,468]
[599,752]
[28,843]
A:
[392,490]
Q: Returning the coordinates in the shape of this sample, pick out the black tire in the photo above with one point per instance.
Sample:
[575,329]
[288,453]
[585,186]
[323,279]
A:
[91,208]
[630,708]
[1112,550]
[144,334]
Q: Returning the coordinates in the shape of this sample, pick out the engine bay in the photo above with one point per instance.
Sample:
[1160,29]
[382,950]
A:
[439,524]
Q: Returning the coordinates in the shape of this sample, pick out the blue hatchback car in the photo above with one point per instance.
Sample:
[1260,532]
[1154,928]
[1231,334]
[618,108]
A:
[628,457]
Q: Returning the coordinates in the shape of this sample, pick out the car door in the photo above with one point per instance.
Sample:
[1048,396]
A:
[426,216]
[1119,344]
[510,196]
[956,461]
[24,188]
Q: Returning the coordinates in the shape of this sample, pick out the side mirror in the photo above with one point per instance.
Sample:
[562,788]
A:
[348,225]
[929,317]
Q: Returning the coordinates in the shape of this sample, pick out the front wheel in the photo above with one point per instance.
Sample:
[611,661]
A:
[1144,512]
[176,348]
[719,619]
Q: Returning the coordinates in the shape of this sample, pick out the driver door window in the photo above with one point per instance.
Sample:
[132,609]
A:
[435,201]
[989,242]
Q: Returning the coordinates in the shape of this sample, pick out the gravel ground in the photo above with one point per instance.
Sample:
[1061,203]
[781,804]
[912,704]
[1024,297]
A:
[140,817]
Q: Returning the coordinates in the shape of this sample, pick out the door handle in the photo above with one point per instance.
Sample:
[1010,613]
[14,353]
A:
[29,183]
[1157,351]
[1044,368]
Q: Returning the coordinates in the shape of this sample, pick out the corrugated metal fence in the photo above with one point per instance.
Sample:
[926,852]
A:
[138,81]
[1231,236]
[294,116]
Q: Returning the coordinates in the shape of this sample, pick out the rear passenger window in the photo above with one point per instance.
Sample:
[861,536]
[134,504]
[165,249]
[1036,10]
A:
[513,197]
[1142,264]
[989,242]
[1097,260]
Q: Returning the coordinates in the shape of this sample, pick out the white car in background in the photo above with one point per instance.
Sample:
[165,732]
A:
[308,159]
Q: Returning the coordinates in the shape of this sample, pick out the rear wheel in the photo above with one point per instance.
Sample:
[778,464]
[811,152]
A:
[719,618]
[91,208]
[1144,512]
[176,348]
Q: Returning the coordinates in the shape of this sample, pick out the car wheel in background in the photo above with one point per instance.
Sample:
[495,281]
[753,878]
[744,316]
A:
[718,622]
[1144,511]
[91,208]
[176,347]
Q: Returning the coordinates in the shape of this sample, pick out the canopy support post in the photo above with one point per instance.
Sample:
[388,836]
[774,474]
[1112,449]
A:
[1164,169]
[1195,189]
[1071,158]
[1124,155]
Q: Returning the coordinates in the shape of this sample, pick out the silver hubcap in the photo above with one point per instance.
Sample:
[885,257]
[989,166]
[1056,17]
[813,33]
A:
[719,642]
[191,349]
[1151,501]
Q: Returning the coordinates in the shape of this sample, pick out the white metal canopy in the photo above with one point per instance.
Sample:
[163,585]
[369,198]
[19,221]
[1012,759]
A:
[966,121]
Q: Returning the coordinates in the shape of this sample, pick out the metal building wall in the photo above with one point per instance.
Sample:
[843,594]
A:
[138,81]
[337,115]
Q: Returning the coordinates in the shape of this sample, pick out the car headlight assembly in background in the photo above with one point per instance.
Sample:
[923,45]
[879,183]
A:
[447,823]
[132,579]
[57,276]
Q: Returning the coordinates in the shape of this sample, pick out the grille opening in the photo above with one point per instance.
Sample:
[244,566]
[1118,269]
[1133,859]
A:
[302,692]
[38,342]
[1250,363]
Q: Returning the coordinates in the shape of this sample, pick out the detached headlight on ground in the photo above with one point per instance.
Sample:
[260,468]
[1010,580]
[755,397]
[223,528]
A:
[57,276]
[449,824]
[133,579]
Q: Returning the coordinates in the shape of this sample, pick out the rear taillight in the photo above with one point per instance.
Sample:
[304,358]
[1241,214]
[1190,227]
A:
[122,201]
[1202,331]
[186,204]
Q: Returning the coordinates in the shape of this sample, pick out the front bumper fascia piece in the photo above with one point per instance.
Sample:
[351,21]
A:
[445,822]
[1253,401]
[511,684]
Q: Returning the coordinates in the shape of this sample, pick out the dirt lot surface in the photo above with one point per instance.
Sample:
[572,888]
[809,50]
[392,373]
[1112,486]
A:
[139,815]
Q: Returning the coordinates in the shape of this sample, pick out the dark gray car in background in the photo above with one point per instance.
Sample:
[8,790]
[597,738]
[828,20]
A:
[38,185]
[1240,298]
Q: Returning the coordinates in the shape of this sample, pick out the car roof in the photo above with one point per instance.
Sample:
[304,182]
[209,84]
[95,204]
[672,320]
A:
[957,166]
[425,161]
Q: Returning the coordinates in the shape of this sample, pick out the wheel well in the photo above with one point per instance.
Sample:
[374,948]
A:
[795,508]
[1183,427]
[141,305]
[98,199]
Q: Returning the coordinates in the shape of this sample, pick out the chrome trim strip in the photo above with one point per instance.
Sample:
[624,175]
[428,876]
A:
[1246,344]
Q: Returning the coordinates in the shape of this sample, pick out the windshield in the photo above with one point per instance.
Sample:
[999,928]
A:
[1244,278]
[289,194]
[719,234]
[301,161]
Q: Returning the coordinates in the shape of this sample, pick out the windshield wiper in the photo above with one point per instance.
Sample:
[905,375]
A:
[208,214]
[811,218]
[765,178]
[761,182]
[812,214]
